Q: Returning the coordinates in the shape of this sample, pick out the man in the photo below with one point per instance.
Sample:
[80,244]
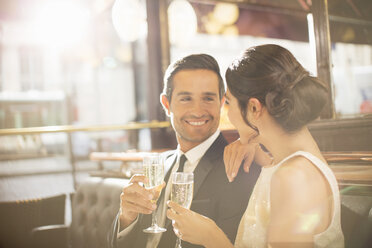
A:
[192,97]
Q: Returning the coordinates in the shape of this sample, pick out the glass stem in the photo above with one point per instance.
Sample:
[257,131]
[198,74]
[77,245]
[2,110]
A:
[178,243]
[154,221]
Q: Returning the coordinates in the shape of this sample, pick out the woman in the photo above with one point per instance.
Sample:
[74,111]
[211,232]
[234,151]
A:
[295,202]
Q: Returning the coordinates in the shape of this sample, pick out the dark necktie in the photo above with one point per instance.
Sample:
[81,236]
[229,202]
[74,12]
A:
[168,239]
[182,163]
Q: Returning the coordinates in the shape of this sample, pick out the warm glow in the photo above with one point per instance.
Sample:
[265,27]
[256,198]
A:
[310,23]
[308,222]
[59,23]
[226,13]
[182,21]
[213,26]
[231,30]
[129,19]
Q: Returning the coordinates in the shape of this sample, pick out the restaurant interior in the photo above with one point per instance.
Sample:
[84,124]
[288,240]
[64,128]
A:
[79,100]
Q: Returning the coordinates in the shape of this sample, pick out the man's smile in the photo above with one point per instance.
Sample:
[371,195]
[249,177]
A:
[197,123]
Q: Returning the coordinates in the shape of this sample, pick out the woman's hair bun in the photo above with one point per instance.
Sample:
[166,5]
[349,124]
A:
[272,74]
[297,105]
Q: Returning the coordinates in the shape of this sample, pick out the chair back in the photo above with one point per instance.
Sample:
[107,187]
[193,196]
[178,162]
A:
[18,218]
[356,220]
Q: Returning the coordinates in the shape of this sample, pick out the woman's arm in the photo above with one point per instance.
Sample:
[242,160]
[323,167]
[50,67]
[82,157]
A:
[236,152]
[299,204]
[195,228]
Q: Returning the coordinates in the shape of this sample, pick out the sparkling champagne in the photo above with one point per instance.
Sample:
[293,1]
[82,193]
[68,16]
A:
[155,175]
[182,193]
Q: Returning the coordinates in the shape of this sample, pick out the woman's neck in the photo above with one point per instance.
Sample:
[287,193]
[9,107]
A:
[281,144]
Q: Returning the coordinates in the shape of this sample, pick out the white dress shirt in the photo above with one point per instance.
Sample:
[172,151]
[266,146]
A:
[193,157]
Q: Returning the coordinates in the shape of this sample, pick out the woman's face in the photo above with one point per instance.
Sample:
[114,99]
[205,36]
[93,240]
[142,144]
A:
[235,117]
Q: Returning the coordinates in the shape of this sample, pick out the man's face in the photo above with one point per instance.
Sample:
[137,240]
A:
[195,106]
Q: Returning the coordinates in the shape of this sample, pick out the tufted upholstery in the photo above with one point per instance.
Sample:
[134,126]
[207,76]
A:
[94,207]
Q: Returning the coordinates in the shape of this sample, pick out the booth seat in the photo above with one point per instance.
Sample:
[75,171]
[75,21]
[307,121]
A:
[93,207]
[18,218]
[96,203]
[356,220]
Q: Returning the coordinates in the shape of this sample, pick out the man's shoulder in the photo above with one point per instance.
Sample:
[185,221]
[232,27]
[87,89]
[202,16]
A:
[215,151]
[168,153]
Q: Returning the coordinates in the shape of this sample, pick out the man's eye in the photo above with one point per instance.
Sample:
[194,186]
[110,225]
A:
[227,102]
[209,99]
[185,99]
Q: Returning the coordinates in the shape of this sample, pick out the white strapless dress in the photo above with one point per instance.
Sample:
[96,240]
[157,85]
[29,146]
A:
[253,226]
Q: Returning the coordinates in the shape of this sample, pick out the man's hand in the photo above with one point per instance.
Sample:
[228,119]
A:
[135,200]
[236,152]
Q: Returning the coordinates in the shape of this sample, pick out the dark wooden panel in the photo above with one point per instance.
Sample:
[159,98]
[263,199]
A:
[343,135]
[335,135]
[319,9]
[158,60]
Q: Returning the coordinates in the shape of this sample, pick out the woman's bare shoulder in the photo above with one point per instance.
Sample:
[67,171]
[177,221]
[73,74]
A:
[298,168]
[299,176]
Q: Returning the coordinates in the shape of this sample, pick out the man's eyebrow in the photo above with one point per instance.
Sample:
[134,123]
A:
[209,93]
[189,93]
[183,93]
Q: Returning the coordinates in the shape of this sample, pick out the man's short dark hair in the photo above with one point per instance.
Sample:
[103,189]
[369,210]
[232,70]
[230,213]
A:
[192,62]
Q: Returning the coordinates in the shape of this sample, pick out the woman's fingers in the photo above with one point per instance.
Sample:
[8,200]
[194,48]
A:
[176,207]
[138,178]
[172,215]
[249,155]
[241,154]
[232,158]
[234,154]
[229,158]
[248,161]
[177,220]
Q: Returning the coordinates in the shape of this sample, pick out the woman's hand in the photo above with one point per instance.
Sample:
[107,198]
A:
[236,152]
[195,228]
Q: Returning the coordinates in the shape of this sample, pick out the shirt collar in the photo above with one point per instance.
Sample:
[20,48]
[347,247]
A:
[198,151]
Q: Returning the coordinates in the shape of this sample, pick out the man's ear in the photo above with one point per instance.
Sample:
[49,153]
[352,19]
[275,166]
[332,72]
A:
[255,107]
[165,103]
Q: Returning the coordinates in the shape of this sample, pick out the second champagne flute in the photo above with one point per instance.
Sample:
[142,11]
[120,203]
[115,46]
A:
[153,166]
[182,192]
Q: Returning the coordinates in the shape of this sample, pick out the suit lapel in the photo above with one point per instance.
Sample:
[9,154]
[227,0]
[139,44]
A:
[169,163]
[206,163]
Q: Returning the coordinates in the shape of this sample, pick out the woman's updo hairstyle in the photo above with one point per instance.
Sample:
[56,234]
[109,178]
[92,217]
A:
[272,74]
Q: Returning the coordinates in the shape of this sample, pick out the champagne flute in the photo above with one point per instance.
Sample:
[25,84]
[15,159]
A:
[182,192]
[153,166]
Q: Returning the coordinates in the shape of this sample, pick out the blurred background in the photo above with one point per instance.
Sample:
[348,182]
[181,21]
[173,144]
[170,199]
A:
[79,97]
[81,76]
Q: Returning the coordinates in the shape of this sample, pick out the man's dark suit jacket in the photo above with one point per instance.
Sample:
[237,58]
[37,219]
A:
[214,197]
